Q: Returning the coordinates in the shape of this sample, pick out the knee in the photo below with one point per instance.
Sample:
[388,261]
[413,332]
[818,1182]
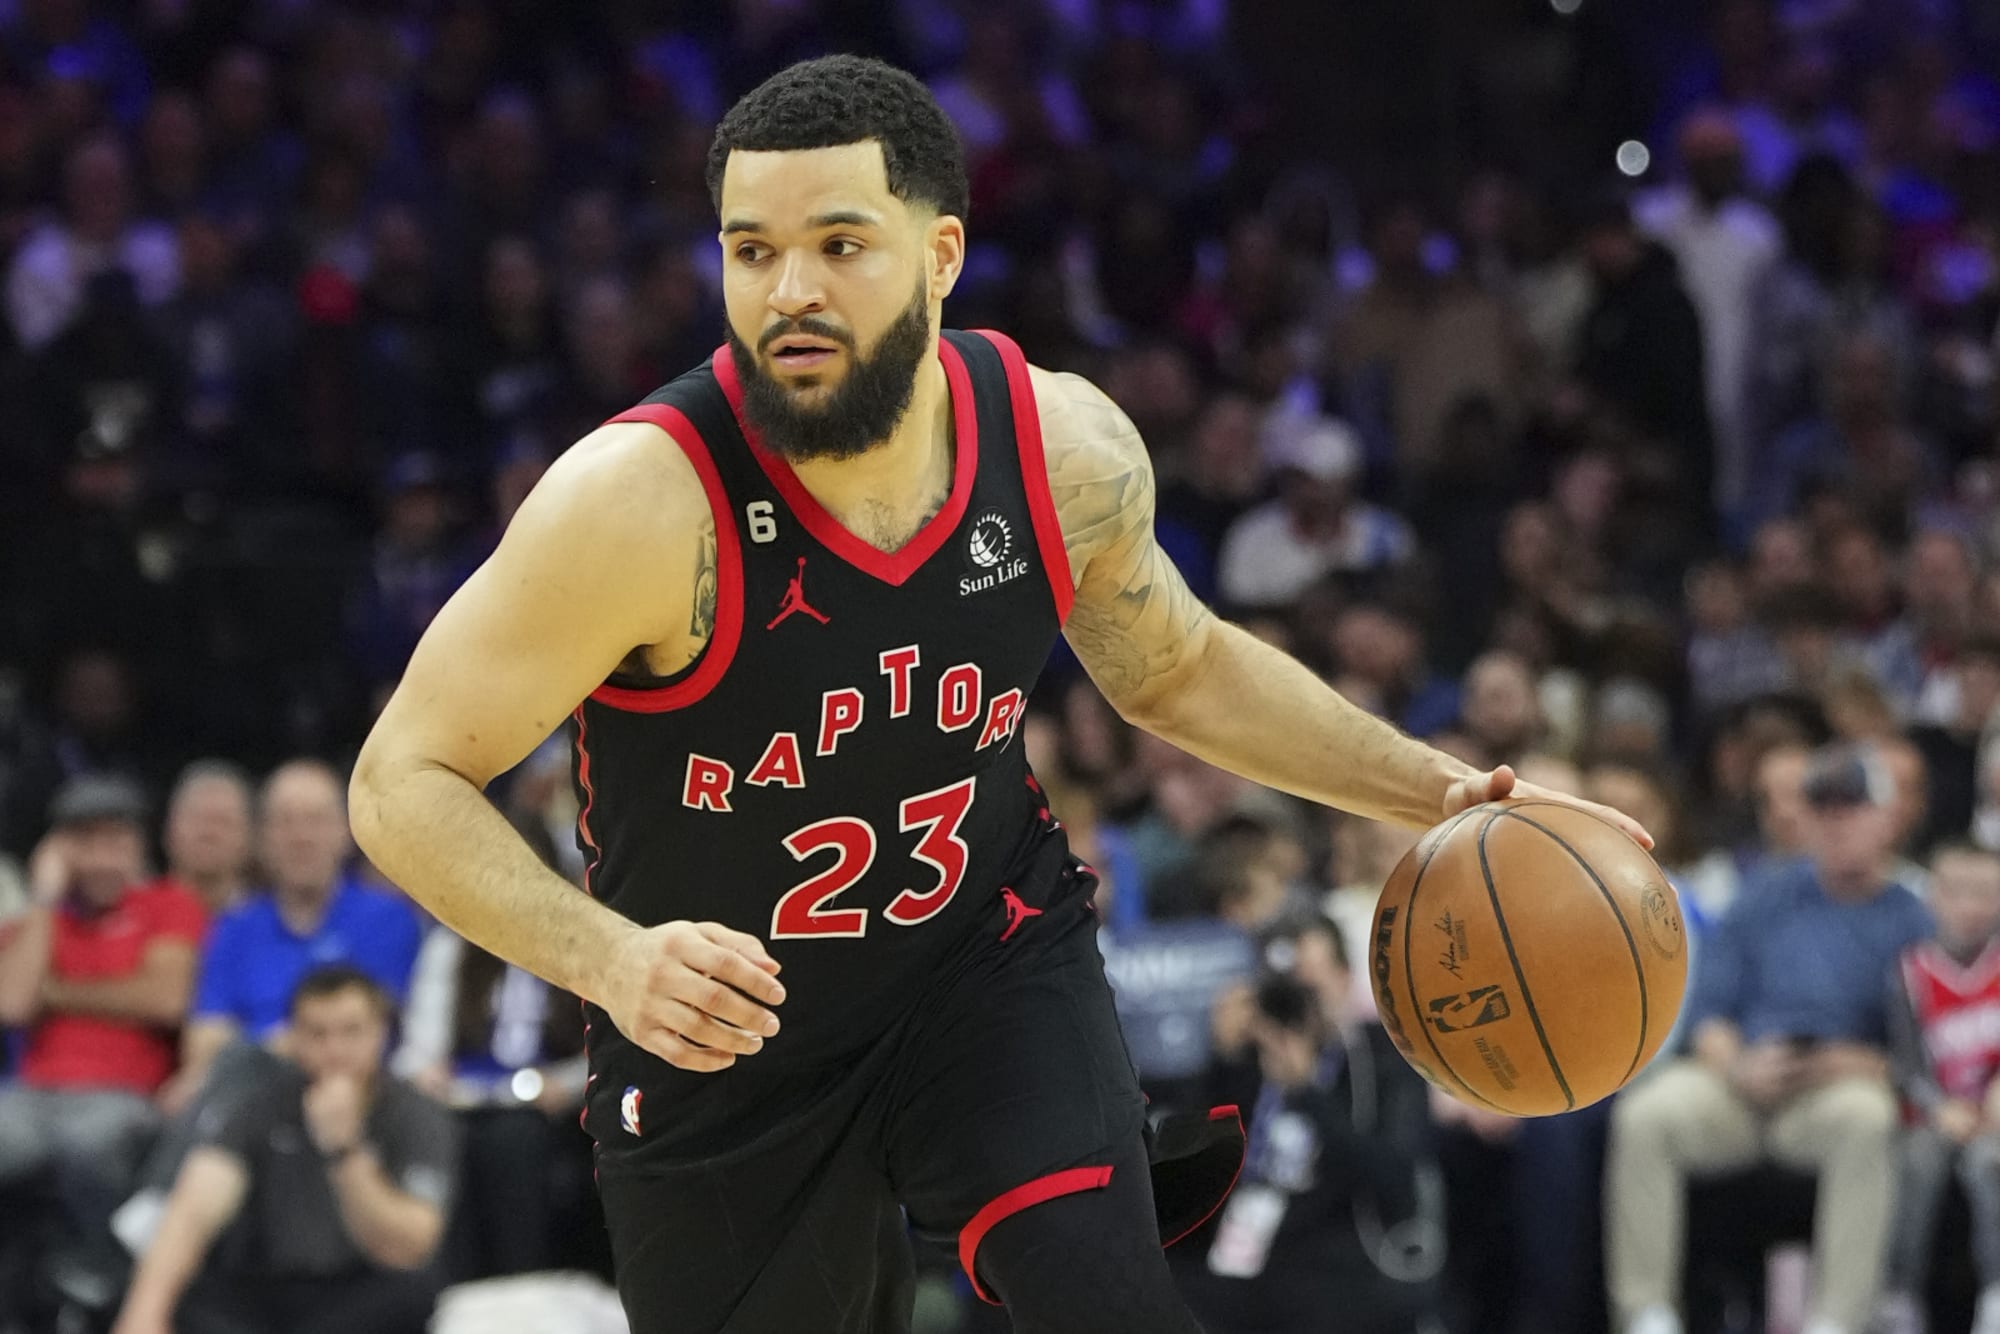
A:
[1860,1110]
[1655,1110]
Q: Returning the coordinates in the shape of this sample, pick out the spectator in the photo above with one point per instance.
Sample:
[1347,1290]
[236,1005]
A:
[1501,712]
[338,1176]
[1940,596]
[1725,243]
[1859,441]
[1629,724]
[1946,1013]
[232,343]
[1862,577]
[97,975]
[1417,343]
[1730,658]
[1316,528]
[1833,281]
[46,284]
[1223,475]
[505,1050]
[207,835]
[416,567]
[509,365]
[1950,748]
[254,164]
[1339,1152]
[313,914]
[1381,655]
[96,729]
[1640,349]
[1789,1062]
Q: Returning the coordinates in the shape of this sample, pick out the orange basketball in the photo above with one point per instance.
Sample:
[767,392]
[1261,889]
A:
[1528,957]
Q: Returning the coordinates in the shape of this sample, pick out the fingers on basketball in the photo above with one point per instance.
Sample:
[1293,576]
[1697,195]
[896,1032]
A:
[1528,957]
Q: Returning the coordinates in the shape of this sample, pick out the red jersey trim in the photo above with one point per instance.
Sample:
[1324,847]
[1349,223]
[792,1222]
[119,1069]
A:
[1035,471]
[1227,1112]
[589,803]
[891,567]
[715,659]
[1041,1190]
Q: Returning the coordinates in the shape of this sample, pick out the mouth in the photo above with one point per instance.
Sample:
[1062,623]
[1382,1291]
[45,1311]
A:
[801,352]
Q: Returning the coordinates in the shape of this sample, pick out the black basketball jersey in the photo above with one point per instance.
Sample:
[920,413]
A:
[839,773]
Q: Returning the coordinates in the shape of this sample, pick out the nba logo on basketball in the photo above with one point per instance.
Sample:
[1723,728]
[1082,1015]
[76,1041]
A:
[1484,1005]
[988,546]
[628,1110]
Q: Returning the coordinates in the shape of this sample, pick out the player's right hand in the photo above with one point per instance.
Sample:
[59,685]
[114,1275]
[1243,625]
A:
[688,992]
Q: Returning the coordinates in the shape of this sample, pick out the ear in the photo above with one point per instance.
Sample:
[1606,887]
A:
[944,254]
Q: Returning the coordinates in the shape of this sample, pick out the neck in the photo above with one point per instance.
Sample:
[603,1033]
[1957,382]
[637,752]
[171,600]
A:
[903,477]
[1853,886]
[302,907]
[220,890]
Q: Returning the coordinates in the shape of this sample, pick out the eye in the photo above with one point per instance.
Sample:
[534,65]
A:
[842,247]
[749,253]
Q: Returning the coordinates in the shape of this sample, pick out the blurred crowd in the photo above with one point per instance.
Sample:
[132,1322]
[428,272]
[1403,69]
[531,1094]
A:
[1607,389]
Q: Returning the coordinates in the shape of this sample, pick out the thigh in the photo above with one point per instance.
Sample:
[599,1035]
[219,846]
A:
[799,1233]
[1018,1072]
[104,1128]
[24,1132]
[1695,1115]
[1017,1136]
[1827,1120]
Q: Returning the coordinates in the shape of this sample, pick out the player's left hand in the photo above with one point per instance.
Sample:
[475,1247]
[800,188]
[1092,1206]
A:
[1494,784]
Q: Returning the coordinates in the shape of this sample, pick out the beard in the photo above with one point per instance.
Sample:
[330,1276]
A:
[862,410]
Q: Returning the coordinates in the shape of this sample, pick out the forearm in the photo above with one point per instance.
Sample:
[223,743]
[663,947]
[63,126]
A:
[1251,709]
[433,832]
[1717,1043]
[138,999]
[179,1245]
[395,1230]
[24,968]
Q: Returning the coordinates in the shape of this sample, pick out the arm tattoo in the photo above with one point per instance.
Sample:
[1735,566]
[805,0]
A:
[701,623]
[1134,614]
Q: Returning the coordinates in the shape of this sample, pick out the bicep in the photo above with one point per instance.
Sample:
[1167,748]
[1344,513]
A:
[1134,619]
[169,963]
[211,1187]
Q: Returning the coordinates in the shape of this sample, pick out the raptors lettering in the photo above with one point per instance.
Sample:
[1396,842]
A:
[782,763]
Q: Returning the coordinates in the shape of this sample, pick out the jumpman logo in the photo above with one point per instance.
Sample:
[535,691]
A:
[1017,911]
[795,599]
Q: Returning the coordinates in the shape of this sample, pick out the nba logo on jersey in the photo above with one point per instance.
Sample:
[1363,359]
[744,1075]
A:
[628,1110]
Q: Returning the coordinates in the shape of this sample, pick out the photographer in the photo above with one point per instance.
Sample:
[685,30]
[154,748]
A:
[1335,1224]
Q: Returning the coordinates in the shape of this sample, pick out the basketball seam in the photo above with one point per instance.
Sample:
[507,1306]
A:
[1409,970]
[1520,977]
[1632,945]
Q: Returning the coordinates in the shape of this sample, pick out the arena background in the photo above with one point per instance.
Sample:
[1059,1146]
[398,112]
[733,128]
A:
[1606,387]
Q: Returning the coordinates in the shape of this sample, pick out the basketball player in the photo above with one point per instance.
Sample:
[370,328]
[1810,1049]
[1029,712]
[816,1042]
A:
[792,604]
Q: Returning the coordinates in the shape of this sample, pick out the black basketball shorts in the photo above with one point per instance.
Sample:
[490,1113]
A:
[1007,1088]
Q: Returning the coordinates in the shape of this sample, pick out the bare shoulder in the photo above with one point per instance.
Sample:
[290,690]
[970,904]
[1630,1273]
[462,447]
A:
[625,482]
[621,525]
[1100,475]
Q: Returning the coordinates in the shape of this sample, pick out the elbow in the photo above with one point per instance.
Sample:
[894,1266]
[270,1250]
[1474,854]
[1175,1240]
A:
[364,801]
[17,1011]
[413,1248]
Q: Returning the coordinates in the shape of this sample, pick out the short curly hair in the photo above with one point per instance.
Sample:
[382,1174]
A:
[846,100]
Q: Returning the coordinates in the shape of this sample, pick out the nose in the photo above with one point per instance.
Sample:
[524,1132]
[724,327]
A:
[798,290]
